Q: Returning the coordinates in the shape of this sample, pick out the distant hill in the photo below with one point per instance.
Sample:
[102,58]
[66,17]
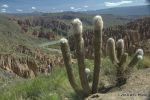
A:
[35,13]
[86,18]
[131,10]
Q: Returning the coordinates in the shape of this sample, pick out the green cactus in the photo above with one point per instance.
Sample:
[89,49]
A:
[79,46]
[119,59]
[120,48]
[117,56]
[110,48]
[67,60]
[98,26]
[137,56]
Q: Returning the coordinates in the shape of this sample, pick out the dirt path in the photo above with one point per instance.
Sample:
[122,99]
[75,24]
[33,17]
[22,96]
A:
[44,45]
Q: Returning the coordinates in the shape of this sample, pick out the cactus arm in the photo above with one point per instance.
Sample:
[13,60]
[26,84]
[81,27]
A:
[136,58]
[110,48]
[120,48]
[79,45]
[67,61]
[98,26]
[121,68]
[123,59]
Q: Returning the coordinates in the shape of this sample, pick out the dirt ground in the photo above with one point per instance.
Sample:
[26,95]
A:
[137,88]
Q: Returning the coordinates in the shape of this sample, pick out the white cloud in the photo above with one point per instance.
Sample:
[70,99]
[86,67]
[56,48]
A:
[72,8]
[3,10]
[86,6]
[19,10]
[33,8]
[5,6]
[77,9]
[113,4]
[61,10]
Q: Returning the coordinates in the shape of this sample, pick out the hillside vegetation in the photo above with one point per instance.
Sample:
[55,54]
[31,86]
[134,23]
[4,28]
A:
[11,36]
[20,52]
[59,23]
[26,55]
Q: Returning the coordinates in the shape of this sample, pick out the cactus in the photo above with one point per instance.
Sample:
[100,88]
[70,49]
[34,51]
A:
[110,48]
[119,59]
[137,56]
[79,46]
[120,48]
[67,60]
[116,54]
[98,26]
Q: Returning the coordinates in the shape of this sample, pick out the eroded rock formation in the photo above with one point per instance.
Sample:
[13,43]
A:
[28,63]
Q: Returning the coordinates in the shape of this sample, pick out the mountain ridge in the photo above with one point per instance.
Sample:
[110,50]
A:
[129,10]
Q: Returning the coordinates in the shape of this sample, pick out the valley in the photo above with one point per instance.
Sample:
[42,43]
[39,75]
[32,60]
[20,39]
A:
[32,66]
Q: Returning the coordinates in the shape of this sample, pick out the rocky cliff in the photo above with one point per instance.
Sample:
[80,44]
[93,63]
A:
[28,63]
[44,27]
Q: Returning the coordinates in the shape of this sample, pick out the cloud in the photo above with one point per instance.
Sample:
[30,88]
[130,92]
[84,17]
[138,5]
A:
[5,6]
[33,8]
[19,10]
[85,6]
[78,9]
[3,10]
[61,10]
[75,9]
[72,8]
[113,4]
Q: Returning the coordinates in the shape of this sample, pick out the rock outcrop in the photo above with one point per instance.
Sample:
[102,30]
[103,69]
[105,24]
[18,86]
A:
[42,26]
[28,63]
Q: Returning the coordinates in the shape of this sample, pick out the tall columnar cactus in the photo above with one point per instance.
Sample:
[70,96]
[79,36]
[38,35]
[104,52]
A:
[98,26]
[119,58]
[67,60]
[79,46]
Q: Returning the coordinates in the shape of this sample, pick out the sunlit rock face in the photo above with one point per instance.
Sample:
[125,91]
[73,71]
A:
[29,67]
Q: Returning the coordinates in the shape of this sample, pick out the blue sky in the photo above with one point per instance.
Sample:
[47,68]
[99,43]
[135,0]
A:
[20,6]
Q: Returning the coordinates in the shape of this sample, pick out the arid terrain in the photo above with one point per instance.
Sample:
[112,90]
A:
[32,65]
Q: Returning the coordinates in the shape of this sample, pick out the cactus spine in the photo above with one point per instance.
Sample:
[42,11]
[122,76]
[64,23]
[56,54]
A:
[79,42]
[67,60]
[98,26]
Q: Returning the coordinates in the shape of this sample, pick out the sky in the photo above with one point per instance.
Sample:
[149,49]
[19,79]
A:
[24,6]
